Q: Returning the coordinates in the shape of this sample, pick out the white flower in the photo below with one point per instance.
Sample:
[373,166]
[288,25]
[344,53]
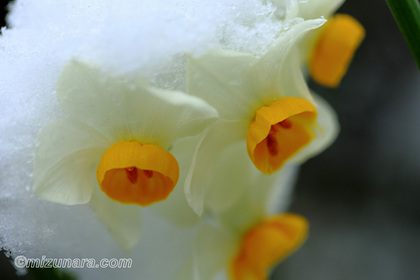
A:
[119,130]
[263,101]
[249,254]
[248,238]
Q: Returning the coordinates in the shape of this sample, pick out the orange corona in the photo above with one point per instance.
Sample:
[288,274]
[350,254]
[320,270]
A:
[266,244]
[134,173]
[279,131]
[334,49]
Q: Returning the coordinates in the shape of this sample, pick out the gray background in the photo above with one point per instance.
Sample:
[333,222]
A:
[362,195]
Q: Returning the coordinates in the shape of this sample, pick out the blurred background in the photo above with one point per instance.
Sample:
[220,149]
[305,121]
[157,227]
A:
[361,196]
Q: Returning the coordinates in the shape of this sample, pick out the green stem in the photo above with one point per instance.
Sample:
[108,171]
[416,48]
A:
[407,16]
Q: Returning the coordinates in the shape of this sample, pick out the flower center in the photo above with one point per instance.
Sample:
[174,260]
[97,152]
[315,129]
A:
[334,49]
[134,173]
[279,131]
[266,244]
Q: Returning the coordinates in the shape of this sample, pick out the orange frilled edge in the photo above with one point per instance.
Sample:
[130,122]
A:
[335,46]
[135,173]
[266,244]
[279,131]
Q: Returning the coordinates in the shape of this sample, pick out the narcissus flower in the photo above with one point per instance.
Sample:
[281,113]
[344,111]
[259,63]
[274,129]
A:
[248,239]
[249,254]
[333,49]
[263,101]
[113,151]
[328,50]
[265,244]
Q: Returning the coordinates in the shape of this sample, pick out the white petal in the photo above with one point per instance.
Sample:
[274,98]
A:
[175,208]
[214,248]
[238,84]
[231,176]
[263,195]
[66,160]
[313,9]
[254,202]
[236,184]
[278,198]
[277,73]
[217,137]
[125,110]
[122,221]
[220,78]
[318,8]
[164,251]
[325,135]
